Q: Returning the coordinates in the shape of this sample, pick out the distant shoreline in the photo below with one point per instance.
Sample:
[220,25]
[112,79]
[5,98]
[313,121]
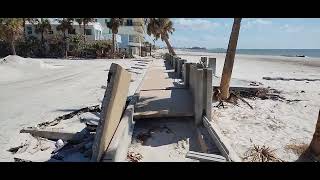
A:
[315,53]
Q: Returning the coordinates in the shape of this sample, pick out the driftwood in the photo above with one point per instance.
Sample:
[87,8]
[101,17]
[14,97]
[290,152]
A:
[56,121]
[289,79]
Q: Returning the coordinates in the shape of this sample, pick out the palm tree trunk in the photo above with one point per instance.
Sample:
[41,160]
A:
[13,48]
[113,44]
[24,28]
[169,46]
[84,32]
[229,60]
[65,44]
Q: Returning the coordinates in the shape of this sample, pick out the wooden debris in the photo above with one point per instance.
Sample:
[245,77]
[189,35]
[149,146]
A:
[20,160]
[16,149]
[134,157]
[57,120]
[289,79]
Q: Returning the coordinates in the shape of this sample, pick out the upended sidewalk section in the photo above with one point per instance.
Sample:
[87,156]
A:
[162,94]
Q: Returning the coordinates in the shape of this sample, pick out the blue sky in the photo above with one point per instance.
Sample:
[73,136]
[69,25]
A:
[255,33]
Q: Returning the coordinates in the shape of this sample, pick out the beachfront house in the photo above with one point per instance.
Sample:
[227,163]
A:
[131,34]
[93,30]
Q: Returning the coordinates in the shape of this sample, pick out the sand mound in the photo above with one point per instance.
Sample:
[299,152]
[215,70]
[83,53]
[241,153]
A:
[20,62]
[14,68]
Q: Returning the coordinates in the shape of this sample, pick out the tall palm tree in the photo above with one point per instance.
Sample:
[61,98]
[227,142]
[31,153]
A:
[160,28]
[229,60]
[42,26]
[64,26]
[85,22]
[10,30]
[114,25]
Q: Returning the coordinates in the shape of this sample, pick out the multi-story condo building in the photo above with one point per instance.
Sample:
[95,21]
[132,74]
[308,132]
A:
[131,33]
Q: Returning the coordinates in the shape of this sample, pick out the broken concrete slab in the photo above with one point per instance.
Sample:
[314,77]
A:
[49,133]
[205,157]
[223,146]
[112,108]
[118,148]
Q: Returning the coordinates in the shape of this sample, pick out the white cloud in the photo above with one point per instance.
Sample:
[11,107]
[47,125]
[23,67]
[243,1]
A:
[249,23]
[194,24]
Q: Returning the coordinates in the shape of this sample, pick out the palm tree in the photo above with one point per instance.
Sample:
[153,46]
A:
[64,26]
[10,31]
[114,25]
[42,26]
[229,60]
[85,22]
[160,28]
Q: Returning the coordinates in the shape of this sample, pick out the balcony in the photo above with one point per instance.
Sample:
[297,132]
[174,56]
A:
[135,44]
[109,37]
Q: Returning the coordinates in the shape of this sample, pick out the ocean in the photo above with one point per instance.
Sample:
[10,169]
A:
[272,52]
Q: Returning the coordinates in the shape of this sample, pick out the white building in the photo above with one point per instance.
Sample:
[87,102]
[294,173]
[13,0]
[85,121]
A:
[131,33]
[93,30]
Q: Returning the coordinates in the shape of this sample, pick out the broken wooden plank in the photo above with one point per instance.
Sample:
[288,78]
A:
[205,157]
[49,133]
[112,108]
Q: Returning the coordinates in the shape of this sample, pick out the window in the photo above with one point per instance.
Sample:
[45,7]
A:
[29,30]
[129,22]
[131,38]
[88,31]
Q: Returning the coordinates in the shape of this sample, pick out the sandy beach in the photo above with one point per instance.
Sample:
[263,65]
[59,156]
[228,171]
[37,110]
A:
[279,125]
[39,90]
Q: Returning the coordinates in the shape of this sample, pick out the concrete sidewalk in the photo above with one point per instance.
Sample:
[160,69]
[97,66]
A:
[162,94]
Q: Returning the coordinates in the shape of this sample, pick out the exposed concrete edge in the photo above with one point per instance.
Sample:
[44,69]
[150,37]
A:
[222,144]
[121,140]
[159,114]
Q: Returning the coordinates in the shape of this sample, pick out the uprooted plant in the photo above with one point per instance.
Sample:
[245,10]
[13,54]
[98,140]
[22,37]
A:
[261,154]
[250,93]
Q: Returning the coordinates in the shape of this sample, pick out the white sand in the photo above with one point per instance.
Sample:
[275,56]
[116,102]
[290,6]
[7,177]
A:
[38,90]
[271,123]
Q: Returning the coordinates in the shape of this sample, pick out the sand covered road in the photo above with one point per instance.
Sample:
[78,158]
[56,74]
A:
[38,90]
